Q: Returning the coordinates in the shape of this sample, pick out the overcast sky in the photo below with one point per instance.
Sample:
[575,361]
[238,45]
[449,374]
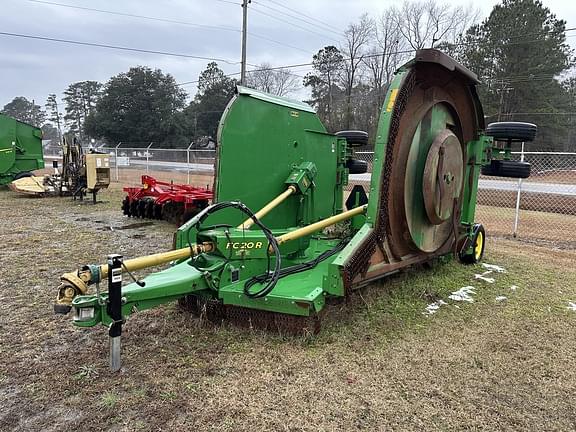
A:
[35,68]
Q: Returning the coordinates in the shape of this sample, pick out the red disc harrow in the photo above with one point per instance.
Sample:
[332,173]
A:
[173,202]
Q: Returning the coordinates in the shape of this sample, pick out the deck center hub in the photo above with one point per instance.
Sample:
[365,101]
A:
[442,180]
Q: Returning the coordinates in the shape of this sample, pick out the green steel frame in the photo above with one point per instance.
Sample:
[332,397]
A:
[20,148]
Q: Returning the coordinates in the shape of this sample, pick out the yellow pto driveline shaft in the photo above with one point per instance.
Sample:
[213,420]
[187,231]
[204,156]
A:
[266,209]
[324,223]
[158,259]
[173,255]
[77,282]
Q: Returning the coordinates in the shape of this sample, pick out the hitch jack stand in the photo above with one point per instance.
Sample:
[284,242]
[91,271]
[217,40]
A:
[115,309]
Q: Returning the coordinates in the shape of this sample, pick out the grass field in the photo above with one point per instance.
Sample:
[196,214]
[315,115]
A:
[380,363]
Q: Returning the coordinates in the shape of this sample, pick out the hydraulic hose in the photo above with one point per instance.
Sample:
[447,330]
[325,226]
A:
[272,275]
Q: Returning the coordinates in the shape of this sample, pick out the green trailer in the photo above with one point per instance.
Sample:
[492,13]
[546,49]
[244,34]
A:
[282,239]
[20,149]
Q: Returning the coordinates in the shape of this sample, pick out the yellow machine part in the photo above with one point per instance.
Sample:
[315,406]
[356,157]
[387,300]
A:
[29,185]
[97,171]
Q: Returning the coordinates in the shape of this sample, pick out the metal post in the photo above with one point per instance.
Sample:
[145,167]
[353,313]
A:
[58,120]
[188,160]
[244,31]
[517,215]
[116,159]
[148,156]
[114,309]
[501,106]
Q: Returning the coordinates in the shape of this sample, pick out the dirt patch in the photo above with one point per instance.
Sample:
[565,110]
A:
[125,227]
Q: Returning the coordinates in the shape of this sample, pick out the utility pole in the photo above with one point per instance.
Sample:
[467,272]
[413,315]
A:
[58,124]
[34,114]
[58,120]
[244,31]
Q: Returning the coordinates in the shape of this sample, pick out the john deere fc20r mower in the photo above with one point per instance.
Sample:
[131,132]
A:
[280,240]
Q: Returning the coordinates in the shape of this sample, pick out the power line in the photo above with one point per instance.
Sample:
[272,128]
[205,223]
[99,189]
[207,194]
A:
[226,28]
[407,51]
[538,32]
[129,15]
[297,18]
[115,47]
[508,78]
[251,71]
[239,73]
[294,25]
[300,13]
[213,58]
[520,78]
[168,20]
[279,43]
[534,113]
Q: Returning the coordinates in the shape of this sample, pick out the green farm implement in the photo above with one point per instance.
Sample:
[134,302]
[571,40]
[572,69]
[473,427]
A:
[81,173]
[20,149]
[281,240]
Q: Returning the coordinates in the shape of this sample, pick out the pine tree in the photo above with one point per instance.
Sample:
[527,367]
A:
[137,107]
[81,99]
[24,110]
[54,115]
[518,52]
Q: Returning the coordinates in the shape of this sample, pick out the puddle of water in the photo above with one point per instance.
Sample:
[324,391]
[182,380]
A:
[125,227]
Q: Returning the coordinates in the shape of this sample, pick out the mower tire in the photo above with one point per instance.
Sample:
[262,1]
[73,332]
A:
[355,138]
[478,246]
[506,168]
[357,166]
[126,206]
[512,131]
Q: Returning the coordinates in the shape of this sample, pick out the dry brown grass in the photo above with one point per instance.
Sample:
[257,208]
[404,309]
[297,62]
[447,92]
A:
[379,364]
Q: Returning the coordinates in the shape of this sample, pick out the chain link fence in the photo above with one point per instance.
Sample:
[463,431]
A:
[129,164]
[541,208]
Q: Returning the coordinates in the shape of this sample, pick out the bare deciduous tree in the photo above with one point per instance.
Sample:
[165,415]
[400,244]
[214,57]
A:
[354,49]
[425,23]
[385,55]
[279,82]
